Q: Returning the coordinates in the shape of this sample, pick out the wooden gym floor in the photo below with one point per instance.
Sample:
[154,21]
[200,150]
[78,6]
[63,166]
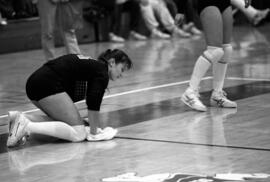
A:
[157,133]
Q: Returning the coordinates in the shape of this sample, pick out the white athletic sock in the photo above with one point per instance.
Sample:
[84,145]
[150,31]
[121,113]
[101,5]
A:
[219,73]
[220,68]
[200,68]
[56,129]
[211,55]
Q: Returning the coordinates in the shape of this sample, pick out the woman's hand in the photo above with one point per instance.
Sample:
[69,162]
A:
[107,133]
[247,3]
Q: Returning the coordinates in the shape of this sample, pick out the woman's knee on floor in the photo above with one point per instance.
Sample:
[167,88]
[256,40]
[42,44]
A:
[80,134]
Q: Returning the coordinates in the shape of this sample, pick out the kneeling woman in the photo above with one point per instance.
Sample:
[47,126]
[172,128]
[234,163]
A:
[54,88]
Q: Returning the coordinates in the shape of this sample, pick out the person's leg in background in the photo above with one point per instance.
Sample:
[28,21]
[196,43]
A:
[69,33]
[114,13]
[172,7]
[191,16]
[47,13]
[166,19]
[151,22]
[255,16]
[116,22]
[133,7]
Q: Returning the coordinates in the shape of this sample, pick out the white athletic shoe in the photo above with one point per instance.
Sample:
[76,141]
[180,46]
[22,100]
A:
[136,36]
[107,133]
[177,32]
[219,99]
[191,98]
[156,34]
[17,129]
[116,38]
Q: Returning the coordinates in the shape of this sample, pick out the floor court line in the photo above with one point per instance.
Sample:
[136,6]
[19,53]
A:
[157,87]
[198,144]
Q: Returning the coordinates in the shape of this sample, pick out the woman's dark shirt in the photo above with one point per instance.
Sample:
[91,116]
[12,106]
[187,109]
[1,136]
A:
[73,68]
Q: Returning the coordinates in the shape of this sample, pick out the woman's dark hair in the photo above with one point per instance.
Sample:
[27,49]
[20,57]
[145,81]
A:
[119,56]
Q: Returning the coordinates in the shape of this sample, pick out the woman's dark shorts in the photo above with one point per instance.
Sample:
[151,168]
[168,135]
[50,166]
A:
[220,4]
[43,83]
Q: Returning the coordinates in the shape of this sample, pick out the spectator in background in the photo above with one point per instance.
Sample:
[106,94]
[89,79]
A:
[255,16]
[149,9]
[24,8]
[6,9]
[190,14]
[16,9]
[67,14]
[115,9]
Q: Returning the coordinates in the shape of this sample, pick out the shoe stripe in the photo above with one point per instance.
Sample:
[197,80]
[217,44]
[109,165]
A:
[17,129]
[190,101]
[219,102]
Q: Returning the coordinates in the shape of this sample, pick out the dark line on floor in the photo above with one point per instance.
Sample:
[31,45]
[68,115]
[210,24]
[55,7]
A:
[196,144]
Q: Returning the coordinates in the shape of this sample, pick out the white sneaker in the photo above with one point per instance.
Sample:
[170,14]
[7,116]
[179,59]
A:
[115,38]
[159,35]
[17,128]
[107,133]
[136,36]
[181,33]
[219,99]
[191,98]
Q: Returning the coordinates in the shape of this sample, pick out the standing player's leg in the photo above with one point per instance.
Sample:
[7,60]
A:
[213,27]
[218,97]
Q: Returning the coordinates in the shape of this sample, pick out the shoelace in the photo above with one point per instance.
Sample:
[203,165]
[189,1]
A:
[196,93]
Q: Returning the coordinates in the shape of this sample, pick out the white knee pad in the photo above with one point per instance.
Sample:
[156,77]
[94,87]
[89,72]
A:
[227,48]
[80,134]
[213,54]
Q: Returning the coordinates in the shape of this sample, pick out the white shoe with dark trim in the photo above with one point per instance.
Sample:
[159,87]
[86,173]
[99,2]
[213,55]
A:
[219,99]
[17,128]
[191,98]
